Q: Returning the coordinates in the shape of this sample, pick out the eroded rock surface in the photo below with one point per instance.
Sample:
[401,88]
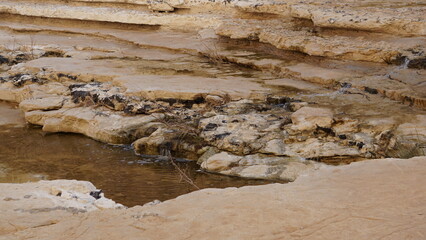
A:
[275,85]
[44,203]
[371,199]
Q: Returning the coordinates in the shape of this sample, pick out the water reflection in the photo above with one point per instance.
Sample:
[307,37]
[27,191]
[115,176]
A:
[28,154]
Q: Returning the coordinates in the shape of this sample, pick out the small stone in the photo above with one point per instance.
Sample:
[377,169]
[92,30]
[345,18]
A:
[219,162]
[309,118]
[275,146]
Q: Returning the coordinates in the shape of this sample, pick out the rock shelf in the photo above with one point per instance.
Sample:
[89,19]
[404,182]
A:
[253,89]
[375,199]
[276,90]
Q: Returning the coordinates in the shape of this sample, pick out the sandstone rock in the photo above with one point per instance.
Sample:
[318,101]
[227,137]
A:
[107,14]
[44,203]
[414,130]
[258,166]
[275,146]
[210,151]
[375,189]
[256,171]
[314,148]
[165,141]
[214,100]
[346,125]
[48,103]
[104,126]
[308,118]
[220,162]
[241,134]
[160,6]
[147,86]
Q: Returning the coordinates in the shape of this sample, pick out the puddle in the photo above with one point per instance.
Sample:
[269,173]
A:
[29,154]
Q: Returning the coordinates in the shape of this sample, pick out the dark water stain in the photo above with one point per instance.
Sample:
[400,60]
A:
[29,154]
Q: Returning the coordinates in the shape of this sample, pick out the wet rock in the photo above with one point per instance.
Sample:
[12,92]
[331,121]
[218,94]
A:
[419,63]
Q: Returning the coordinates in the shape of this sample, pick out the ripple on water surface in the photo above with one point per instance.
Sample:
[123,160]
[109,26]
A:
[29,154]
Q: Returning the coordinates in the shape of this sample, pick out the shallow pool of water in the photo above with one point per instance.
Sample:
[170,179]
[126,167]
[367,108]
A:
[29,154]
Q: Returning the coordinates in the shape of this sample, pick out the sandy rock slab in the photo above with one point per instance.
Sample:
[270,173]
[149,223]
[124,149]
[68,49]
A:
[105,126]
[377,199]
[32,205]
[153,87]
[259,166]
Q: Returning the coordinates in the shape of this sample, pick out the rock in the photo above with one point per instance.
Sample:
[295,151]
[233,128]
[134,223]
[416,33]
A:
[160,6]
[314,148]
[256,171]
[207,33]
[207,154]
[214,100]
[369,188]
[104,126]
[165,141]
[414,130]
[294,106]
[346,125]
[105,203]
[11,93]
[275,146]
[48,103]
[153,143]
[241,134]
[258,166]
[308,118]
[219,162]
[46,202]
[109,14]
[147,86]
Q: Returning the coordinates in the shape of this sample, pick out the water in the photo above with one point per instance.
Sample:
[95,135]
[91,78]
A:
[28,154]
[403,66]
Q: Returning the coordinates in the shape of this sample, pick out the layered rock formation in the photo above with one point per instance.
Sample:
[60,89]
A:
[254,89]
